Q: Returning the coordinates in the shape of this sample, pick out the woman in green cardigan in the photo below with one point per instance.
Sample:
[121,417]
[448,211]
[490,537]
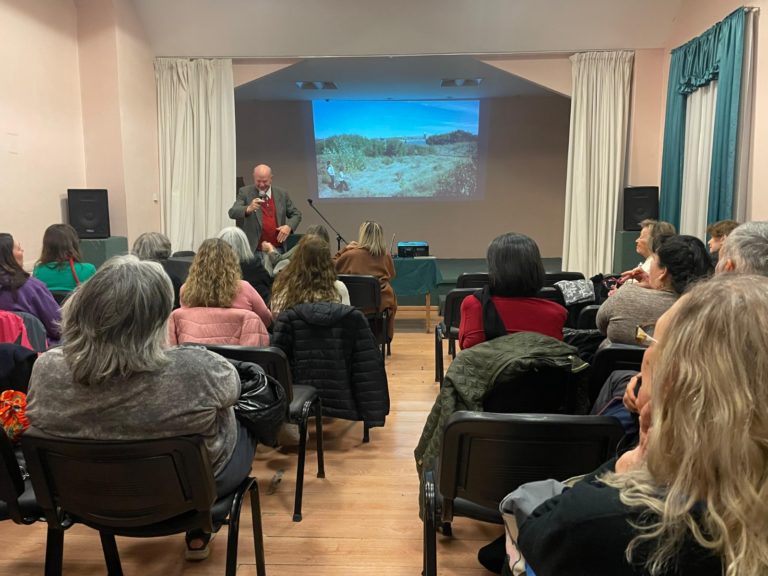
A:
[60,266]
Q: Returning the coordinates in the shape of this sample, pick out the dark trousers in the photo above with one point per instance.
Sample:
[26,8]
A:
[239,465]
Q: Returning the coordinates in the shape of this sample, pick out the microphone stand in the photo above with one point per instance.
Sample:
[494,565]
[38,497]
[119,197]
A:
[339,238]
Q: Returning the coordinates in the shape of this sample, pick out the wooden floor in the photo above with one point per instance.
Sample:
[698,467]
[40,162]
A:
[362,519]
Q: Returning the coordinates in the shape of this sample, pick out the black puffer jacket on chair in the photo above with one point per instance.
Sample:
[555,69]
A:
[331,347]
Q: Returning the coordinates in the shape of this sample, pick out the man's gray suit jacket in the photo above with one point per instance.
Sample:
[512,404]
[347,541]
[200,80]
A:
[285,212]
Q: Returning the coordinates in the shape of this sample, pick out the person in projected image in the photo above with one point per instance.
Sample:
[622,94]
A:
[265,213]
[331,175]
[343,185]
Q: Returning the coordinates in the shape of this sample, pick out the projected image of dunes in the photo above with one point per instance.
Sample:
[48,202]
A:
[425,149]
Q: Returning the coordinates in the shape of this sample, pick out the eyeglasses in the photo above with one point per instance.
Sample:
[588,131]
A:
[642,337]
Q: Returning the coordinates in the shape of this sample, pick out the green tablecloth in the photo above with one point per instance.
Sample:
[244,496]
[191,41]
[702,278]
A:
[416,276]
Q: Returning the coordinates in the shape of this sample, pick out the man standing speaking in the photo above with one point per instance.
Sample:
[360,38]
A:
[265,213]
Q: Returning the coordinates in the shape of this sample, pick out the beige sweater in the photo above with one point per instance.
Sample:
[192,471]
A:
[630,306]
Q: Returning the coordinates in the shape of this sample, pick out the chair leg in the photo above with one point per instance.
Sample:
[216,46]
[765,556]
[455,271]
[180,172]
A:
[366,433]
[319,437]
[54,552]
[430,538]
[452,347]
[233,522]
[111,555]
[258,533]
[302,458]
[438,356]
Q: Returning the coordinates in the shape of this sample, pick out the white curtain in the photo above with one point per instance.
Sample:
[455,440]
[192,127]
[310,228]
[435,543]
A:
[699,133]
[596,155]
[741,199]
[196,117]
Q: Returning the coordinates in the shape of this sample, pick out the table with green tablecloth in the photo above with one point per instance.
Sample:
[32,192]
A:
[417,276]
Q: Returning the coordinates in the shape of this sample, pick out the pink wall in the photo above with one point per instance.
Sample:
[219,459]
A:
[138,120]
[645,120]
[41,138]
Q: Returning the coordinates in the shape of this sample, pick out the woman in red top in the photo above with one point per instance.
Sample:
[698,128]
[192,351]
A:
[508,304]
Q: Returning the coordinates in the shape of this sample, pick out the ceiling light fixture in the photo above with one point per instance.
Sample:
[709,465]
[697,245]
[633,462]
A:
[316,85]
[460,82]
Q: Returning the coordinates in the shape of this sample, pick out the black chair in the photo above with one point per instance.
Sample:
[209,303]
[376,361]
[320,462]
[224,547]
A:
[140,489]
[183,254]
[18,503]
[486,456]
[448,329]
[588,317]
[610,358]
[302,401]
[551,293]
[472,280]
[550,278]
[60,296]
[365,295]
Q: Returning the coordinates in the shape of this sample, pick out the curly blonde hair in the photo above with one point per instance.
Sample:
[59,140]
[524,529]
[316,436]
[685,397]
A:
[214,277]
[309,277]
[709,440]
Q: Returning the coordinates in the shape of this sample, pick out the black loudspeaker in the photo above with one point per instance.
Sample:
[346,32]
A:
[88,212]
[640,203]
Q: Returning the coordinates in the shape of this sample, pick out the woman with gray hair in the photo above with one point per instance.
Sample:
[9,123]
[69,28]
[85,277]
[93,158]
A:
[251,268]
[122,382]
[156,246]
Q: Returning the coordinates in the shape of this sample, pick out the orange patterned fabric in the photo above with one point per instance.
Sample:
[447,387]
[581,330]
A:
[13,413]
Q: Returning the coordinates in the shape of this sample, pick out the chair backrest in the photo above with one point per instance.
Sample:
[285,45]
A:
[35,331]
[271,359]
[183,254]
[364,292]
[16,367]
[551,277]
[472,280]
[121,487]
[546,390]
[486,456]
[217,326]
[610,358]
[588,317]
[60,296]
[452,309]
[551,293]
[11,482]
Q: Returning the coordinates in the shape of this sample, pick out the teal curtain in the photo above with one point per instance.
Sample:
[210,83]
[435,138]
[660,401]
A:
[674,144]
[716,54]
[722,180]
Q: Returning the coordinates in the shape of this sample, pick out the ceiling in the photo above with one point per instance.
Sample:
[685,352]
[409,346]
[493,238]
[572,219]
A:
[398,49]
[397,78]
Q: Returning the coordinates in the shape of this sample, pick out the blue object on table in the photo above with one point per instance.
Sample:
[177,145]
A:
[412,249]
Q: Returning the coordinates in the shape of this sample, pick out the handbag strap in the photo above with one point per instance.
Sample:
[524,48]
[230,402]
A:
[74,274]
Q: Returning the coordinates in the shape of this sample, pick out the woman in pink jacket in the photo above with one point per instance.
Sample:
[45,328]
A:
[214,281]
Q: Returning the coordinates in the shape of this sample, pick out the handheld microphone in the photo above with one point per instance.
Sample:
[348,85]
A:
[262,195]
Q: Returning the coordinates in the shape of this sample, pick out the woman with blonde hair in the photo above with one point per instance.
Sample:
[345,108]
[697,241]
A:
[692,499]
[214,281]
[309,277]
[368,256]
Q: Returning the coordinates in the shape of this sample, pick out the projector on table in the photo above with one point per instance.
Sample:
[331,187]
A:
[412,249]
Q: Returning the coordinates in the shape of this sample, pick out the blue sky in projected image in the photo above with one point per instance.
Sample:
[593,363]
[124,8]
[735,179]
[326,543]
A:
[389,119]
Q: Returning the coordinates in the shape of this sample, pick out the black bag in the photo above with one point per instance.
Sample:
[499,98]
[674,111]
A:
[262,406]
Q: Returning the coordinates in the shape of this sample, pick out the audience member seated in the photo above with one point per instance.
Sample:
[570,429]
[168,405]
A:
[251,267]
[60,266]
[691,499]
[678,261]
[508,303]
[156,246]
[718,232]
[368,256]
[21,293]
[214,281]
[274,260]
[745,250]
[121,382]
[650,231]
[308,277]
